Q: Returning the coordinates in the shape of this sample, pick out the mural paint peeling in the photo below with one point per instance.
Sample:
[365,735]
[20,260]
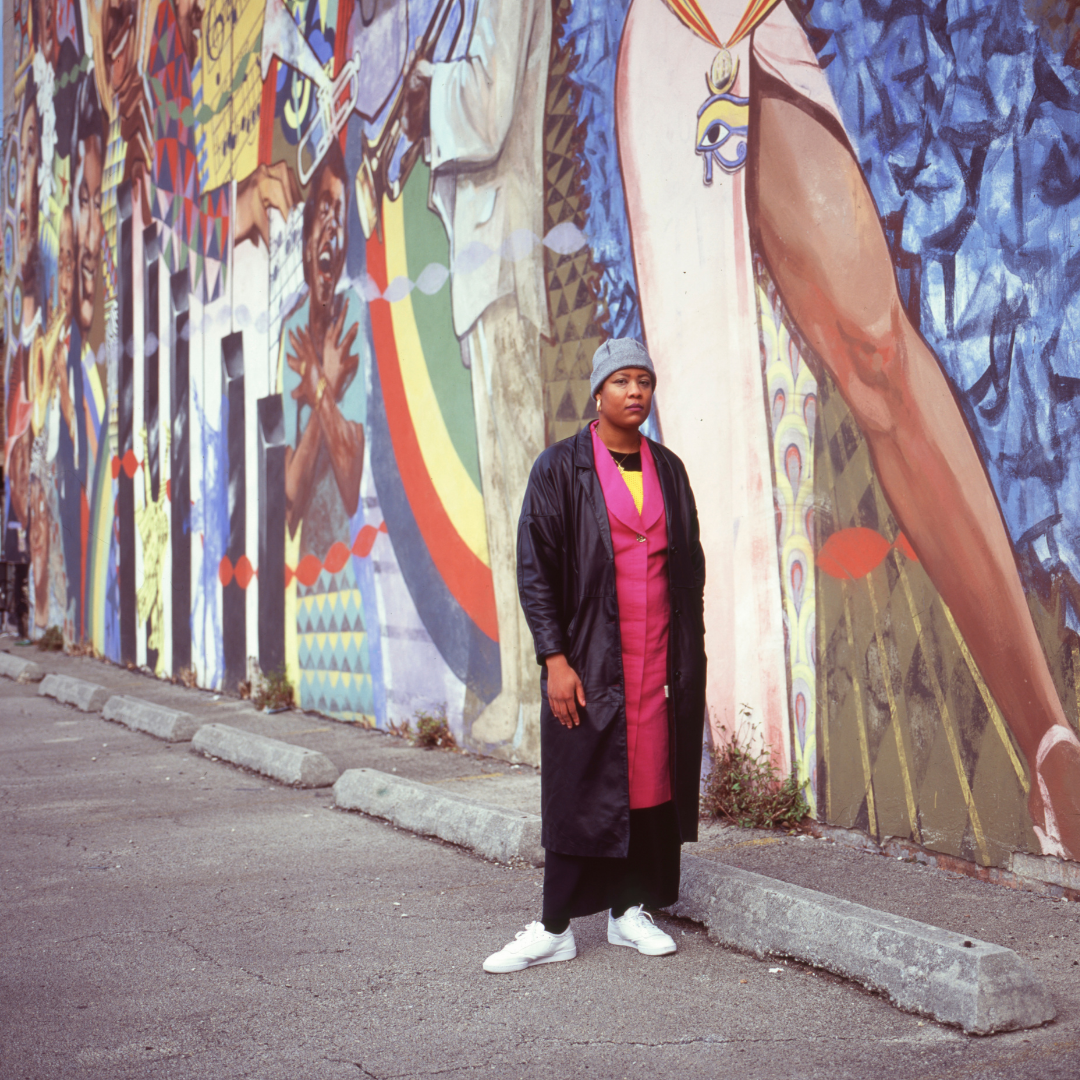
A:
[295,292]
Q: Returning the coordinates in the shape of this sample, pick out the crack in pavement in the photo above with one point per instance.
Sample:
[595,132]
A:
[356,1064]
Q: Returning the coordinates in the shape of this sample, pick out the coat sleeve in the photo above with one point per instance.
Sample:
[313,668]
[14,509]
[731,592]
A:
[693,535]
[540,559]
[473,100]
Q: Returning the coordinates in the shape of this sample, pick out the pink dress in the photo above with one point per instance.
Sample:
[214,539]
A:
[641,582]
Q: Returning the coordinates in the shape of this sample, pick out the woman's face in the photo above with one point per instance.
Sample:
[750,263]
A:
[626,397]
[29,160]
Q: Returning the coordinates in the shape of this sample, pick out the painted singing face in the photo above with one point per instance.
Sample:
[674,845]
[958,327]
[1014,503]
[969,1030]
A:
[27,194]
[324,244]
[89,231]
[189,18]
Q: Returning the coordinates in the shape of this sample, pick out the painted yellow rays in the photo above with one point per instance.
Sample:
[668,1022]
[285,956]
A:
[690,15]
[462,500]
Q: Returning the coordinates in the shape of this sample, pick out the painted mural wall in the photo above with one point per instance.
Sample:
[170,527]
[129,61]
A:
[296,290]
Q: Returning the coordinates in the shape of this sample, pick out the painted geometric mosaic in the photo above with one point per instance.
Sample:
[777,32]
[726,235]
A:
[791,405]
[335,669]
[573,280]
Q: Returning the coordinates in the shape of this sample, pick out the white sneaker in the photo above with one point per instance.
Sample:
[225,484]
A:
[533,945]
[636,930]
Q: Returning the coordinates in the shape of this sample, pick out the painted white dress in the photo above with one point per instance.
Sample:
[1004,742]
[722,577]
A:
[700,313]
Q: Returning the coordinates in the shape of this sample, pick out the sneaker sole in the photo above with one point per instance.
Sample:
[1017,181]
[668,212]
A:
[645,950]
[521,965]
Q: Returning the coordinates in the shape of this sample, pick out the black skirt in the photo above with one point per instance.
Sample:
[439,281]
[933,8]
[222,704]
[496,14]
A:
[577,885]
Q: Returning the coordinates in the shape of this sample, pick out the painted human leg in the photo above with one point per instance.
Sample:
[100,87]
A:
[504,351]
[818,229]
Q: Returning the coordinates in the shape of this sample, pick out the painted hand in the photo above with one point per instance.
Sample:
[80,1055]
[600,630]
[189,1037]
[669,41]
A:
[338,363]
[268,186]
[417,100]
[304,360]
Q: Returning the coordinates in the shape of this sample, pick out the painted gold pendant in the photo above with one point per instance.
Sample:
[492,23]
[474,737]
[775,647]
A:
[722,72]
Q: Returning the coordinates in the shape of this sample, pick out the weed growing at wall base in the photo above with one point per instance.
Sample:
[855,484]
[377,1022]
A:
[745,788]
[433,731]
[52,640]
[273,691]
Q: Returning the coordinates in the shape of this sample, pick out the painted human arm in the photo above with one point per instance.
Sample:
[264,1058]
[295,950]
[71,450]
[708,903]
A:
[268,186]
[344,437]
[323,385]
[473,100]
[300,460]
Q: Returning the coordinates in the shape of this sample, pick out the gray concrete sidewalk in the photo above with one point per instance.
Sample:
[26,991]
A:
[348,747]
[1041,931]
[166,916]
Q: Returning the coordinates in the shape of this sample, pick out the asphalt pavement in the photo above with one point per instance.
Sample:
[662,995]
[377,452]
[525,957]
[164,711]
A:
[165,915]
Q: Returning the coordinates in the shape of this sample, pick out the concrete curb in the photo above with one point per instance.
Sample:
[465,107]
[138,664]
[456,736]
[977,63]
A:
[23,671]
[492,831]
[279,760]
[68,690]
[156,720]
[982,988]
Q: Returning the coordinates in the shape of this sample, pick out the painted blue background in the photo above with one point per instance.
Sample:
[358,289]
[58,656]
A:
[965,119]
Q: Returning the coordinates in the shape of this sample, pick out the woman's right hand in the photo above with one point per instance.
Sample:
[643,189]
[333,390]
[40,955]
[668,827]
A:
[565,692]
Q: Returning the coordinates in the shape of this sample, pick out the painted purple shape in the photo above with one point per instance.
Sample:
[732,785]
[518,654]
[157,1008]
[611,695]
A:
[398,289]
[519,244]
[432,278]
[565,239]
[471,257]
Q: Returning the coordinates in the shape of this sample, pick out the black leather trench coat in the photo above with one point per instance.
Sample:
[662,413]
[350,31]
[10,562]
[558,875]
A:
[566,581]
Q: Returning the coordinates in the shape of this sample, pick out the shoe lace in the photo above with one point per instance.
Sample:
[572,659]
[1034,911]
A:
[639,917]
[534,929]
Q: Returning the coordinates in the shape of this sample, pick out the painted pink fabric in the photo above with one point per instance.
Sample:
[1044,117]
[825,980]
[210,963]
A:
[641,582]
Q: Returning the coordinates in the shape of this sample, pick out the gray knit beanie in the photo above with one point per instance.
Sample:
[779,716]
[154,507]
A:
[616,354]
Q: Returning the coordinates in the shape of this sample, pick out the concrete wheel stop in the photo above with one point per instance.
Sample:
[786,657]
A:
[979,987]
[279,760]
[495,832]
[87,696]
[23,671]
[157,720]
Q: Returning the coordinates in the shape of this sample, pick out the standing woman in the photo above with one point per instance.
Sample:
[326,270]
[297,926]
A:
[611,577]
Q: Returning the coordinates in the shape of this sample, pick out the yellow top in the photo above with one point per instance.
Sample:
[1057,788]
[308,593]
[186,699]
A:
[635,481]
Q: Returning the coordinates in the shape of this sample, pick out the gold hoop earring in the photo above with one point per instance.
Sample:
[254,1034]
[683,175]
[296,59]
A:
[597,404]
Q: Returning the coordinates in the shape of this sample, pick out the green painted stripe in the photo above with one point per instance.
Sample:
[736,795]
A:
[426,242]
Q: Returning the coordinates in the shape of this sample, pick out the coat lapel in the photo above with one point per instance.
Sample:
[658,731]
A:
[653,504]
[585,466]
[665,480]
[617,495]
